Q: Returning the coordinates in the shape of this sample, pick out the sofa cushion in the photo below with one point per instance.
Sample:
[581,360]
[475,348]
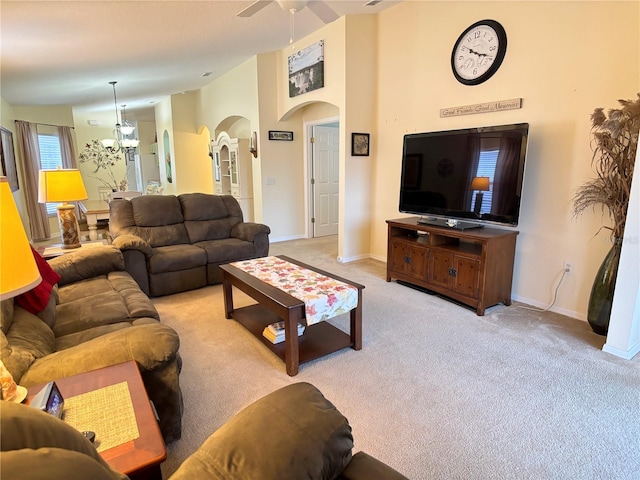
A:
[157,219]
[115,294]
[73,339]
[27,339]
[293,432]
[209,217]
[36,444]
[36,299]
[227,250]
[173,258]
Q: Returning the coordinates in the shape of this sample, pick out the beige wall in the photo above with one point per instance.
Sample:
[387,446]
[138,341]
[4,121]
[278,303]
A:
[561,78]
[85,133]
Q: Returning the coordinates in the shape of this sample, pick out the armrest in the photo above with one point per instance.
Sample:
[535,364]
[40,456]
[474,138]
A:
[249,230]
[132,242]
[365,467]
[131,343]
[314,440]
[87,263]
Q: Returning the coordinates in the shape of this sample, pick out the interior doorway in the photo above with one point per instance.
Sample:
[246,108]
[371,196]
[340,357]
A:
[324,177]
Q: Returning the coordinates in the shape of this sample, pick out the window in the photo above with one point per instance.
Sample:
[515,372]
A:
[487,168]
[50,159]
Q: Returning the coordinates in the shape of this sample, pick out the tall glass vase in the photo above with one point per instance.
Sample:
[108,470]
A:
[602,290]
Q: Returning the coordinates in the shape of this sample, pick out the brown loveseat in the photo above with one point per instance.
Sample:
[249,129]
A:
[292,433]
[176,243]
[96,316]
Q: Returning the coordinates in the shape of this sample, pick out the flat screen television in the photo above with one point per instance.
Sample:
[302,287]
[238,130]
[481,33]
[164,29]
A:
[464,178]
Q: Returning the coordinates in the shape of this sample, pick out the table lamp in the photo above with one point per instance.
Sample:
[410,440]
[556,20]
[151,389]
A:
[63,185]
[18,270]
[480,184]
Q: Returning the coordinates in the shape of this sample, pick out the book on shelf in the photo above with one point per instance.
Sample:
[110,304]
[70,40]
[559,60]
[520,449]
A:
[275,332]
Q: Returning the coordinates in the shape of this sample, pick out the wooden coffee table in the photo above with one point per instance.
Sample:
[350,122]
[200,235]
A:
[275,305]
[139,458]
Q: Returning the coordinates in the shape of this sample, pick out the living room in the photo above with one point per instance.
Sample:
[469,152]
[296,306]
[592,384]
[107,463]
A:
[553,63]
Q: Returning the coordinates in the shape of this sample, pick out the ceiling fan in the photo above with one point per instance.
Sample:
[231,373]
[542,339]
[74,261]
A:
[320,8]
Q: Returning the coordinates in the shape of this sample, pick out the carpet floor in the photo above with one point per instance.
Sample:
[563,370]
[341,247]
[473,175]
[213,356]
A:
[436,391]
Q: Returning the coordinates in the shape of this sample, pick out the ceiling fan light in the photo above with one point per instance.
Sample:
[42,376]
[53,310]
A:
[288,5]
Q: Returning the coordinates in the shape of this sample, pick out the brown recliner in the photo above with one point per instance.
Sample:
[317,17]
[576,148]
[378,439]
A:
[292,433]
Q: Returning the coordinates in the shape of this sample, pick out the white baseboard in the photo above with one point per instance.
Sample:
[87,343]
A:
[626,354]
[352,259]
[561,311]
[286,239]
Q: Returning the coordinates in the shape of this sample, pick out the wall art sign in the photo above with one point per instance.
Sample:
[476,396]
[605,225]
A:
[487,107]
[306,69]
[280,135]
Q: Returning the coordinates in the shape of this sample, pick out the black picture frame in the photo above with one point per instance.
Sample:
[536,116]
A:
[360,144]
[281,135]
[8,159]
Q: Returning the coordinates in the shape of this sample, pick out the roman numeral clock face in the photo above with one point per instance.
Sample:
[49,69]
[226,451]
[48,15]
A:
[478,52]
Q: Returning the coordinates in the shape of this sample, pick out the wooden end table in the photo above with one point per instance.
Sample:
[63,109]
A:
[274,305]
[140,458]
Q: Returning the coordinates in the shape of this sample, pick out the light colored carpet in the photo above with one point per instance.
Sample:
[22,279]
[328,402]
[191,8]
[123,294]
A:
[436,391]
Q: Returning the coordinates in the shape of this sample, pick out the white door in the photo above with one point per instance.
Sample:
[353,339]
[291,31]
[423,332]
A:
[325,180]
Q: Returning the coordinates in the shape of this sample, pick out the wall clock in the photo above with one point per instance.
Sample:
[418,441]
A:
[478,52]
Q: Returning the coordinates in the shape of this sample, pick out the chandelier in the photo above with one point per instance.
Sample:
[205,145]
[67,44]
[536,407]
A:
[120,141]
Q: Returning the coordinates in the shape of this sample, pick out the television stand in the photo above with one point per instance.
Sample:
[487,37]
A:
[449,223]
[473,267]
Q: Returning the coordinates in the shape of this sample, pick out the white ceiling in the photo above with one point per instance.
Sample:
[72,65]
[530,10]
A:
[66,52]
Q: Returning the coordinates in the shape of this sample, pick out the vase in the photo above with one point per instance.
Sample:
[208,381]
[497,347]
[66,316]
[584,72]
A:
[604,284]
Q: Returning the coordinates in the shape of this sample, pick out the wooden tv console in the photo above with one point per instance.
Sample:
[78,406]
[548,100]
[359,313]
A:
[474,267]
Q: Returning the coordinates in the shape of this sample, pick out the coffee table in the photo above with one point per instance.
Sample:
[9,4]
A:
[139,458]
[274,305]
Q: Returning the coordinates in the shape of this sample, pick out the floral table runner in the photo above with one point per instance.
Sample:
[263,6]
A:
[324,297]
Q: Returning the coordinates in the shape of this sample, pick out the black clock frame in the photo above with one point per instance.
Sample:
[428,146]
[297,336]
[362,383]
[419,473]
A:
[502,50]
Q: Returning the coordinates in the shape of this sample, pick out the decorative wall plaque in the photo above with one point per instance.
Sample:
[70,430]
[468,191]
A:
[487,107]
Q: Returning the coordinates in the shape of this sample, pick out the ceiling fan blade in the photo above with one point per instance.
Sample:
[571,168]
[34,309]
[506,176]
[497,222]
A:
[323,11]
[253,8]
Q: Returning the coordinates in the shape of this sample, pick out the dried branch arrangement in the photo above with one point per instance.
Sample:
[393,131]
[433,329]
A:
[614,145]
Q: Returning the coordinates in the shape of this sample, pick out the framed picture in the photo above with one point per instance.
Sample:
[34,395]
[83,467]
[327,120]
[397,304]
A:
[8,159]
[360,144]
[278,135]
[306,69]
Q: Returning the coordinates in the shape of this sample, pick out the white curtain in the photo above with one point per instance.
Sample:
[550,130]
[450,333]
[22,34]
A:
[27,134]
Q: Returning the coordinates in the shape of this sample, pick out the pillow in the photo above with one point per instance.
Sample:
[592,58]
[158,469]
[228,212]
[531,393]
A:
[36,299]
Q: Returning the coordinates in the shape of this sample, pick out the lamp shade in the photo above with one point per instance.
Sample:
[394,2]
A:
[18,270]
[480,183]
[61,185]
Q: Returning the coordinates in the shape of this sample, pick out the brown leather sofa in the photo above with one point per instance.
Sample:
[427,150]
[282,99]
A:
[292,433]
[176,243]
[96,316]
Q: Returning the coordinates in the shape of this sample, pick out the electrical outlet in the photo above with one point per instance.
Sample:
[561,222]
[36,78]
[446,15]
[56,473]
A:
[568,268]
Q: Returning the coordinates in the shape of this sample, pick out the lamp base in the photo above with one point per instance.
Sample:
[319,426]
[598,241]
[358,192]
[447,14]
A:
[69,229]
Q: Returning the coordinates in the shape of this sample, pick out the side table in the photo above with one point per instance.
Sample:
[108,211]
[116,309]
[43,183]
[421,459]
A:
[139,458]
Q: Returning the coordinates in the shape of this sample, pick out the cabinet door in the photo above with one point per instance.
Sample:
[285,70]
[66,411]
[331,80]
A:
[440,265]
[417,263]
[233,168]
[408,259]
[467,277]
